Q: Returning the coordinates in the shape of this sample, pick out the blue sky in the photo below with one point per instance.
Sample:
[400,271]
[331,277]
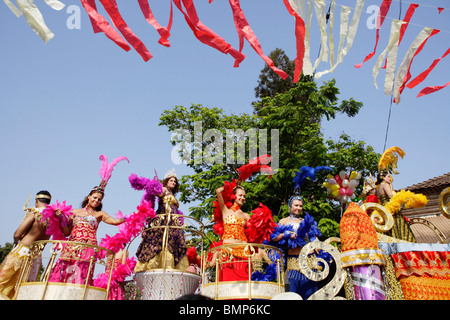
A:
[65,103]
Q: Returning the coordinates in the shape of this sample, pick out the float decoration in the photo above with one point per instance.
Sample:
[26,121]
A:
[342,187]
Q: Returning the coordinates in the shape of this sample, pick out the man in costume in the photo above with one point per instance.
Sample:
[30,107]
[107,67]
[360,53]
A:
[32,228]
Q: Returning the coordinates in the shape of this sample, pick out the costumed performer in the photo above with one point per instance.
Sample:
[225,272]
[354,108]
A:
[388,162]
[231,222]
[32,228]
[293,232]
[234,221]
[163,247]
[82,228]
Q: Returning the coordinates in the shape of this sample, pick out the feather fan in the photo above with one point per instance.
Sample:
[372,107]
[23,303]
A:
[258,164]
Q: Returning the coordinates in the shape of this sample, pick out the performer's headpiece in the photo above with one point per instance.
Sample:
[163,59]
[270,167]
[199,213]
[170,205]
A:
[106,171]
[43,194]
[170,174]
[369,184]
[388,161]
[300,176]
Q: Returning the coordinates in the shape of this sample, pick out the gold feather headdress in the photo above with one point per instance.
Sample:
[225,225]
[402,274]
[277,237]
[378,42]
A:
[388,161]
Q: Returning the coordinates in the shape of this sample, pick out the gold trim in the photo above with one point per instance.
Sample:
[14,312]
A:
[444,202]
[381,218]
[43,196]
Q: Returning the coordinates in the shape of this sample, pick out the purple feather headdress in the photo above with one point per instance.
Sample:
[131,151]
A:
[106,170]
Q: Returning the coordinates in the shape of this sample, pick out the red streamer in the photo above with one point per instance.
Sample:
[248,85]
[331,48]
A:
[99,24]
[204,34]
[432,89]
[245,31]
[425,73]
[164,32]
[408,73]
[113,12]
[380,19]
[300,40]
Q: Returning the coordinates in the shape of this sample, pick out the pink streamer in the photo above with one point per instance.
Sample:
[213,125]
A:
[428,90]
[425,73]
[300,40]
[164,32]
[244,31]
[99,24]
[113,12]
[380,19]
[204,34]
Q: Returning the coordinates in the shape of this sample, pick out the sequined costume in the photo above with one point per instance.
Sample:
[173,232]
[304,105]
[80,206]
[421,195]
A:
[234,259]
[73,264]
[150,252]
[297,282]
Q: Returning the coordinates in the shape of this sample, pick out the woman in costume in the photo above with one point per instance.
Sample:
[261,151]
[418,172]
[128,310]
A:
[293,232]
[387,195]
[82,227]
[235,226]
[164,247]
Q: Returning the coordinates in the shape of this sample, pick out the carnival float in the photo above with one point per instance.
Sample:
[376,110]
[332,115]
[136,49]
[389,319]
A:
[376,256]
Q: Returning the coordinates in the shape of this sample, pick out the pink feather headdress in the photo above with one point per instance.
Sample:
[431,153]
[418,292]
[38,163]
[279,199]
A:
[106,169]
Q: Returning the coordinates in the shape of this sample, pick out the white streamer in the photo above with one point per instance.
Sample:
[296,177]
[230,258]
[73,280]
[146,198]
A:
[403,68]
[391,47]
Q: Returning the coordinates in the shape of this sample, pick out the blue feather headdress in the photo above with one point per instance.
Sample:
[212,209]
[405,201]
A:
[300,177]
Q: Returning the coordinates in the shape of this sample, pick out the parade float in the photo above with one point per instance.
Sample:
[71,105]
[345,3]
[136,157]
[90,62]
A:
[373,259]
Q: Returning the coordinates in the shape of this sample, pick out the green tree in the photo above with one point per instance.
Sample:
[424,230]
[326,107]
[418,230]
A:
[5,250]
[270,83]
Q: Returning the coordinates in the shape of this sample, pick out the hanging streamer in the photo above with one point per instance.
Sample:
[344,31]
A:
[164,32]
[113,12]
[299,36]
[392,61]
[393,42]
[34,17]
[332,7]
[425,73]
[99,24]
[343,31]
[384,9]
[432,89]
[13,8]
[320,8]
[353,26]
[307,65]
[403,73]
[204,34]
[244,31]
[408,15]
